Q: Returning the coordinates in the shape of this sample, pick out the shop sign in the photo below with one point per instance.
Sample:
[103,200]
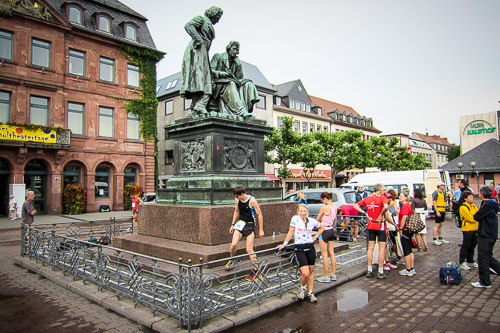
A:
[479,127]
[297,173]
[16,133]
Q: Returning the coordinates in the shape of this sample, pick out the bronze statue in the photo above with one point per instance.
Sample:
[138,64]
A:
[232,93]
[196,78]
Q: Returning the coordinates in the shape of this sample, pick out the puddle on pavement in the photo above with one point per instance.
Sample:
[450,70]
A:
[352,299]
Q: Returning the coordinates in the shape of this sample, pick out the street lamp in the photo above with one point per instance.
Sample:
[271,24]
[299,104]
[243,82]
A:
[472,164]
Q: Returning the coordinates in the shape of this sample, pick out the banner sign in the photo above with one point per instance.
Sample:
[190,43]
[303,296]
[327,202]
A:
[478,127]
[16,133]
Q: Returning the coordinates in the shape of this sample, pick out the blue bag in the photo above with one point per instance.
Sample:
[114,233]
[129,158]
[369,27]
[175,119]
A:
[451,274]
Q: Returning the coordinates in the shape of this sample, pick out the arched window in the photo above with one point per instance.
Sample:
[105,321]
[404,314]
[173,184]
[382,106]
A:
[131,32]
[102,182]
[130,175]
[104,23]
[75,14]
[71,175]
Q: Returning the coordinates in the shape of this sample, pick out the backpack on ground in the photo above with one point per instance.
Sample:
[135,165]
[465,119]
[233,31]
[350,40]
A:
[456,213]
[451,274]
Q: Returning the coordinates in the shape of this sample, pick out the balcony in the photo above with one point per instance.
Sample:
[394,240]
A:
[20,136]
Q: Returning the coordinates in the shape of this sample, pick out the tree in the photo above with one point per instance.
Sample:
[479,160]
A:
[381,152]
[282,146]
[340,150]
[309,155]
[405,160]
[453,152]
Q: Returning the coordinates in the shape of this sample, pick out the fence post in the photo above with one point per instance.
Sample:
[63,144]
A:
[179,294]
[23,239]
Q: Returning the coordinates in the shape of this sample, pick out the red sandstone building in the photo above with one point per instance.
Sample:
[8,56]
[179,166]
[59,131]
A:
[60,66]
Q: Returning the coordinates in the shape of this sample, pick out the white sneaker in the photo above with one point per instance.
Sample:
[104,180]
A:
[401,262]
[324,279]
[333,277]
[437,242]
[414,272]
[479,285]
[472,265]
[444,241]
[301,294]
[464,266]
[312,298]
[405,272]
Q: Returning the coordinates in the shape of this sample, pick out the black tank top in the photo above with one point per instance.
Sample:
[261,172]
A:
[247,213]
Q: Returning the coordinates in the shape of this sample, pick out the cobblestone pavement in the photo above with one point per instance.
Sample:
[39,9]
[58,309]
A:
[403,304]
[30,303]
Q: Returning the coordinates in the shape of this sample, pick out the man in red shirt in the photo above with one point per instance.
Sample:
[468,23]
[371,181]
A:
[494,195]
[349,212]
[376,206]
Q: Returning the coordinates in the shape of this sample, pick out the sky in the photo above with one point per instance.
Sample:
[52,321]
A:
[411,65]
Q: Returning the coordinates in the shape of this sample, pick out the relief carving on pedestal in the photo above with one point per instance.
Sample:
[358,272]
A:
[239,155]
[193,155]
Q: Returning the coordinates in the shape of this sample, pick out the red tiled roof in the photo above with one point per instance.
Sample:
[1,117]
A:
[434,139]
[329,105]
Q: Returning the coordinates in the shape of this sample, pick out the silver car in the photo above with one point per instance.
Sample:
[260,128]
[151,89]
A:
[313,197]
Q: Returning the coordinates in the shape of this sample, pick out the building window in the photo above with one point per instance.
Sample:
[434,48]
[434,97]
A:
[5,45]
[362,123]
[169,107]
[280,122]
[133,75]
[297,126]
[169,157]
[39,111]
[292,104]
[104,23]
[311,127]
[130,176]
[278,101]
[133,127]
[71,175]
[308,108]
[325,129]
[302,106]
[106,122]
[131,32]
[369,124]
[102,185]
[261,104]
[107,69]
[187,104]
[304,127]
[318,128]
[40,53]
[76,113]
[75,14]
[171,84]
[4,106]
[76,61]
[320,111]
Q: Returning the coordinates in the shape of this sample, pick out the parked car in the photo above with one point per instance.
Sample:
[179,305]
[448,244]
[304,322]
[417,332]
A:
[149,198]
[313,197]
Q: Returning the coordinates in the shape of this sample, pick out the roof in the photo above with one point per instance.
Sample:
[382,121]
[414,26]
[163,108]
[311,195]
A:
[433,139]
[486,156]
[329,105]
[285,88]
[120,13]
[171,83]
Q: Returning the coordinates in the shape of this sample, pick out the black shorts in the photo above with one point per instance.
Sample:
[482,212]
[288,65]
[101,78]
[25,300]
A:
[407,243]
[248,229]
[439,219]
[392,236]
[306,254]
[327,235]
[134,211]
[380,234]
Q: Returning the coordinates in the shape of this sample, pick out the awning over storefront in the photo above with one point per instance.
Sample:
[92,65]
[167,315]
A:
[271,176]
[317,175]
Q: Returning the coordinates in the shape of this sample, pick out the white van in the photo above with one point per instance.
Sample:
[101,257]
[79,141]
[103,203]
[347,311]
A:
[426,180]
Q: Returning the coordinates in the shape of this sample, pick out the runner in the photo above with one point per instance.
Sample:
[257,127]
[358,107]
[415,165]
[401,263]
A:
[327,215]
[246,209]
[301,228]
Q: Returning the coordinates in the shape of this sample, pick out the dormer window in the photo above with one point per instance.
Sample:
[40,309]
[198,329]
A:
[278,101]
[104,23]
[130,32]
[75,14]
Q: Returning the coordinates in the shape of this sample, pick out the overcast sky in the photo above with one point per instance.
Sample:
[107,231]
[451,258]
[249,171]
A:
[411,65]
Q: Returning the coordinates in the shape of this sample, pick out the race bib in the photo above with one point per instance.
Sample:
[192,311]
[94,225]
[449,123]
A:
[239,225]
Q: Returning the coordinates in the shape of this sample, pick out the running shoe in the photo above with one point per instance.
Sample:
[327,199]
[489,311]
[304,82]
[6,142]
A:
[253,277]
[437,242]
[301,294]
[382,276]
[479,285]
[312,298]
[444,241]
[413,271]
[391,266]
[386,267]
[324,279]
[401,262]
[333,277]
[464,266]
[406,272]
[230,265]
[370,274]
[472,265]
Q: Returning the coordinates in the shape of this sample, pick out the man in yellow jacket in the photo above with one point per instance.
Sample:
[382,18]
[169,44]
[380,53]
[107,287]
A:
[469,230]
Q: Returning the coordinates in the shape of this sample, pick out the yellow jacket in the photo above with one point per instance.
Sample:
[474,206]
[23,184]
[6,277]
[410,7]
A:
[466,215]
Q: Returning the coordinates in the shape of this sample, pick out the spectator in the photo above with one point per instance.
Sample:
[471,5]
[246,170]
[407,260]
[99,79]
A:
[392,218]
[28,210]
[463,185]
[469,230]
[406,237]
[360,195]
[494,192]
[349,212]
[301,198]
[487,234]
[438,202]
[419,206]
[328,216]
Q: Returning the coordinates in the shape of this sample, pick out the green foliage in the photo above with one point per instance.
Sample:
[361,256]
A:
[310,153]
[127,191]
[382,152]
[74,199]
[34,127]
[453,152]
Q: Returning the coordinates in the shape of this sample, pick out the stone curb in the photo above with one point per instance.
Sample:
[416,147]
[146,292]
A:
[163,323]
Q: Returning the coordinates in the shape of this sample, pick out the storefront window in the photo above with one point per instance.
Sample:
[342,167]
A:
[71,175]
[102,184]
[130,176]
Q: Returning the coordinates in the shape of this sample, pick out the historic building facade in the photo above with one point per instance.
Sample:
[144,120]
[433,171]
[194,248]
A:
[477,129]
[61,66]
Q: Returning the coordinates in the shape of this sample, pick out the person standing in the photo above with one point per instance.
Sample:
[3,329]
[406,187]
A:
[376,205]
[494,192]
[469,231]
[301,198]
[246,212]
[12,208]
[487,235]
[301,228]
[28,210]
[419,206]
[406,237]
[360,195]
[136,200]
[328,216]
[438,202]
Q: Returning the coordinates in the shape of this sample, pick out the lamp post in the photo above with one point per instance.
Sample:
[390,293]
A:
[308,175]
[472,164]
